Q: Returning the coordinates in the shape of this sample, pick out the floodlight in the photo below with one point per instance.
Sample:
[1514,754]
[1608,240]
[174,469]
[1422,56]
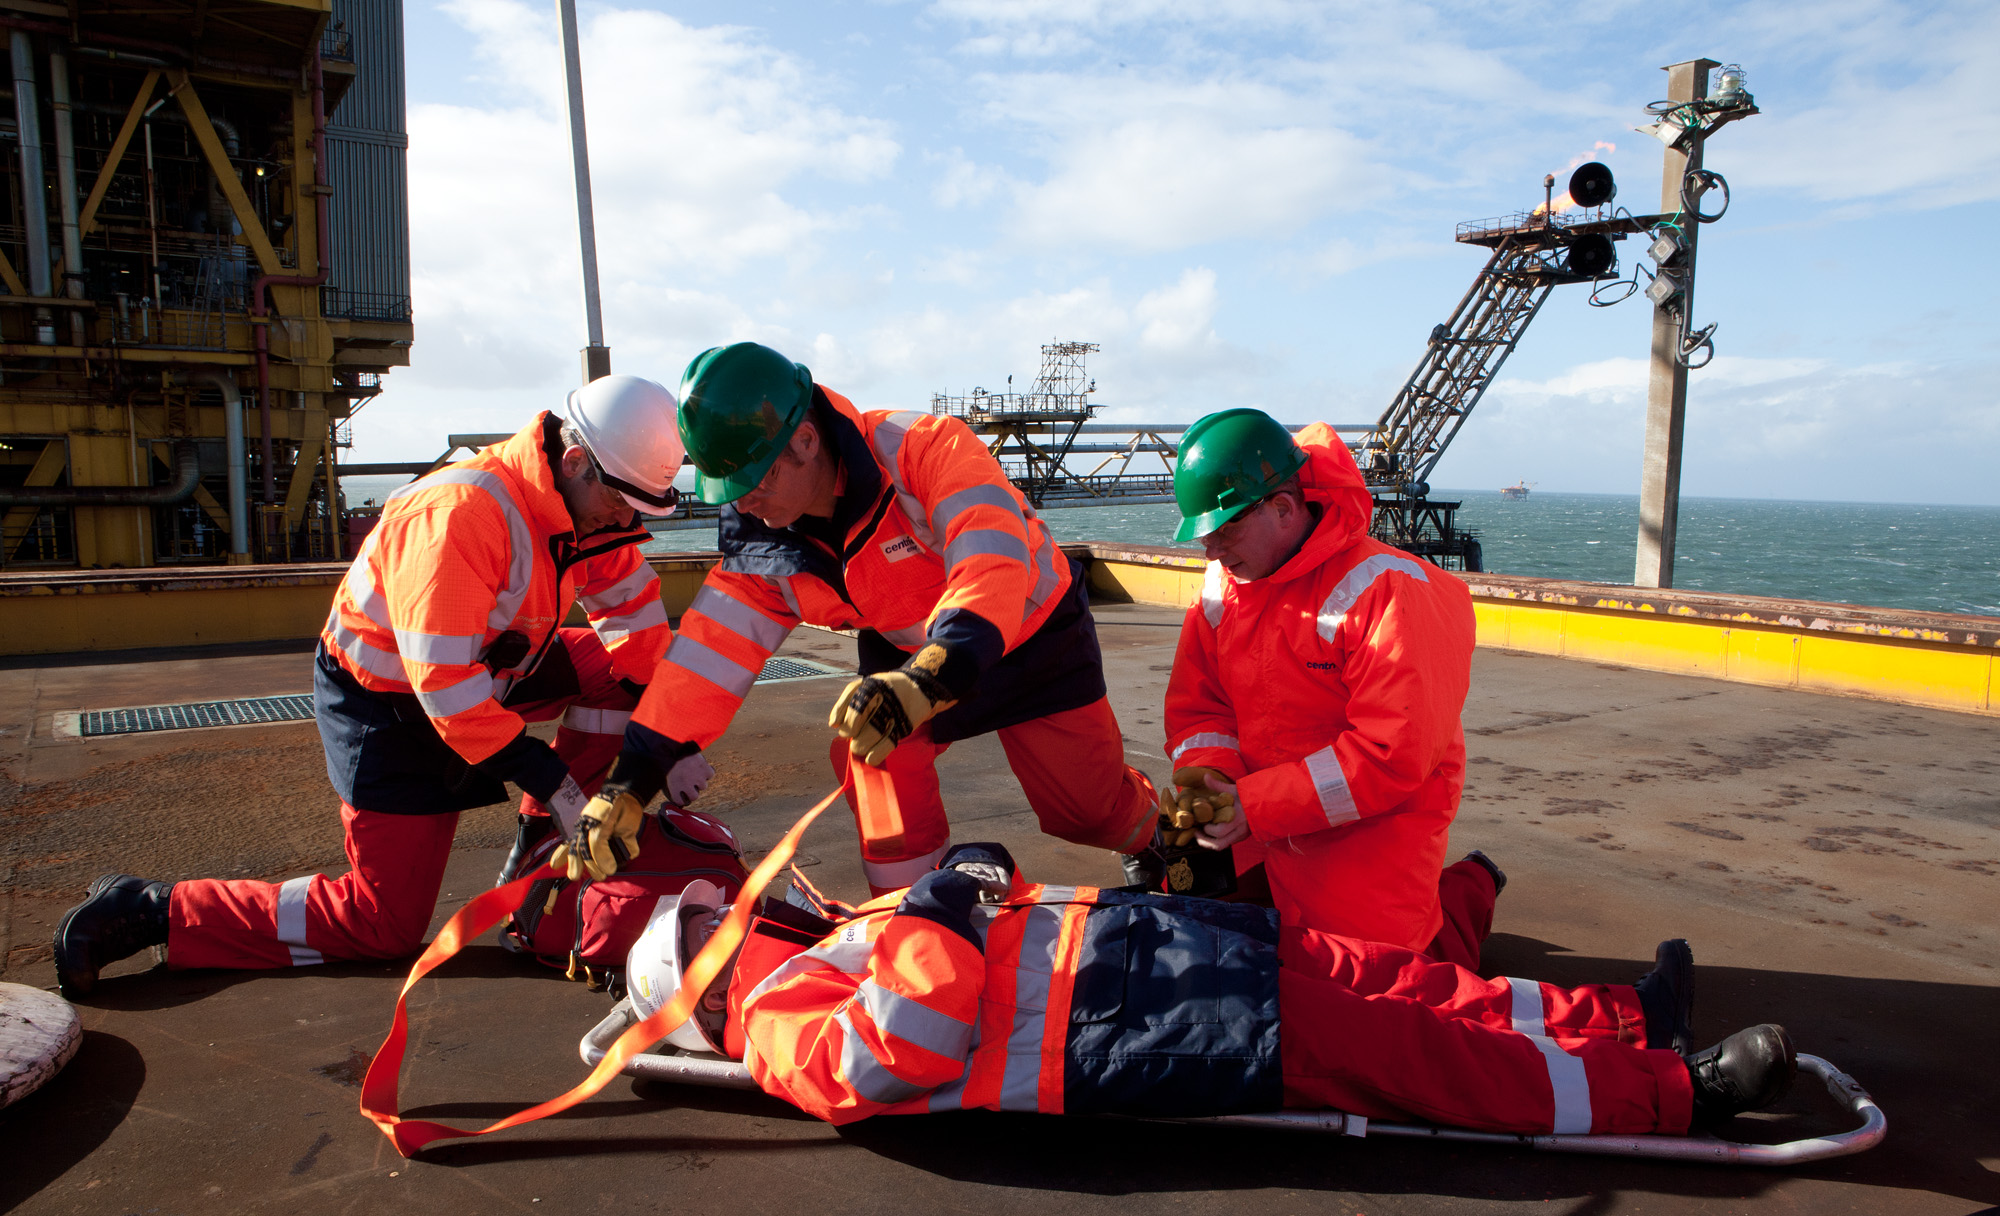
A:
[1664,289]
[1667,245]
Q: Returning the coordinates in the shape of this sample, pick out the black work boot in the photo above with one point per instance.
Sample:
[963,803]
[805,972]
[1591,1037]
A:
[1749,1070]
[1666,993]
[119,916]
[529,831]
[1146,869]
[1486,863]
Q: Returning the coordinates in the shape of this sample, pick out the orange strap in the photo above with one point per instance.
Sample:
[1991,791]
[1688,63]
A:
[489,908]
[878,813]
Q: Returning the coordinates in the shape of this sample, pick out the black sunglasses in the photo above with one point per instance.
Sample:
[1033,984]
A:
[661,502]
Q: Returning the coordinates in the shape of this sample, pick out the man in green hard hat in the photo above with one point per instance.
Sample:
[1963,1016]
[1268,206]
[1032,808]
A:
[904,527]
[1313,711]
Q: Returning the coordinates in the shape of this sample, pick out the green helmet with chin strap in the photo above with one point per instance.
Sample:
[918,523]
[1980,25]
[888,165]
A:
[1229,462]
[739,407]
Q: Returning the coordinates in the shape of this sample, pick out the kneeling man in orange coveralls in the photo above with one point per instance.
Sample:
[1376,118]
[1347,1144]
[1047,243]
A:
[977,989]
[1314,703]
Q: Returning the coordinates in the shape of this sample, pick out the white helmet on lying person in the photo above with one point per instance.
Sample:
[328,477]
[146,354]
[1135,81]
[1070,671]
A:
[680,926]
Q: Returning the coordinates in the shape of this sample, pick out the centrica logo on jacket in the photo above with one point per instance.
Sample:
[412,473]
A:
[898,549]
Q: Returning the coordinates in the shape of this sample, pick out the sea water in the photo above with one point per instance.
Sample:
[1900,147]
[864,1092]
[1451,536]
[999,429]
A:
[1889,555]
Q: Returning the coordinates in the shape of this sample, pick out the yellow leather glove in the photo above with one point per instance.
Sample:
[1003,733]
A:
[606,836]
[1191,803]
[877,712]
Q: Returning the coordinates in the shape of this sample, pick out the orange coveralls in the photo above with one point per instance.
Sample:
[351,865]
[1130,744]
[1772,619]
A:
[929,542]
[1330,692]
[422,698]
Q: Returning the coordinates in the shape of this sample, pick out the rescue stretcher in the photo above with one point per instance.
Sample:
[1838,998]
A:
[682,1068]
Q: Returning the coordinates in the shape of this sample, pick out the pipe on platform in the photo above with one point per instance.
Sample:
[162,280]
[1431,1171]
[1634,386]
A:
[187,476]
[260,309]
[239,474]
[34,203]
[72,240]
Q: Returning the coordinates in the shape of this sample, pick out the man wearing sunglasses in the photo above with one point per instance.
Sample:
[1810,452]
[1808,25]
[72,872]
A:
[444,642]
[1313,709]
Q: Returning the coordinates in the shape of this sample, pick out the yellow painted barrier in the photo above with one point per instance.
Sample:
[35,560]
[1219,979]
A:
[1933,660]
[96,610]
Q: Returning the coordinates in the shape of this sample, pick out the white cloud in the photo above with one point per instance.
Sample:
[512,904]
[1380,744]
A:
[1170,181]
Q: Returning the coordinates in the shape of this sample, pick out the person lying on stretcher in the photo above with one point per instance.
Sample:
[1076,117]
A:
[976,988]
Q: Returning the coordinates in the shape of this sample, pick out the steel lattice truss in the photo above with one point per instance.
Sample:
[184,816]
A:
[1464,355]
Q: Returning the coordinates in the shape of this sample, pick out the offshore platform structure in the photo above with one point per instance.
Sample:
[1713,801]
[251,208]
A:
[204,249]
[1058,407]
[1568,239]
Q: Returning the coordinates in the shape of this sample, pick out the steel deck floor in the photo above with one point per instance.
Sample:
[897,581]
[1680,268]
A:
[1836,864]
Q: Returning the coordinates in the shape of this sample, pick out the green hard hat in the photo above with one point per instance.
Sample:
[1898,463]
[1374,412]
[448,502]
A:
[1229,462]
[739,407]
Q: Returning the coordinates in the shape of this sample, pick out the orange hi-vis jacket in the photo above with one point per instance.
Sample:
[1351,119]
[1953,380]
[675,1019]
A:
[1059,999]
[1330,691]
[929,542]
[478,549]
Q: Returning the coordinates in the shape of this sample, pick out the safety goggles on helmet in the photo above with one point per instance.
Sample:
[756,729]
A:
[640,498]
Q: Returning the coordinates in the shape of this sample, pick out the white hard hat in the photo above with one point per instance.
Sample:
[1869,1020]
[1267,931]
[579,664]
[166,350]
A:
[627,425]
[653,969]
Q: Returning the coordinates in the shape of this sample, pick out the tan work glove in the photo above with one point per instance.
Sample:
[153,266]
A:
[606,836]
[1193,803]
[877,712]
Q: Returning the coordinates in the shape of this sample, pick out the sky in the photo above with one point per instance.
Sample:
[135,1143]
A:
[1244,202]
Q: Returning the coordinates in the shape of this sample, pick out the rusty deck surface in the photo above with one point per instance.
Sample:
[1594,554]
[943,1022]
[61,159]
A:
[1836,864]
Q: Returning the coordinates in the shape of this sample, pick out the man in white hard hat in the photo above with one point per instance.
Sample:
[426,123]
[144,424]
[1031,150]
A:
[444,642]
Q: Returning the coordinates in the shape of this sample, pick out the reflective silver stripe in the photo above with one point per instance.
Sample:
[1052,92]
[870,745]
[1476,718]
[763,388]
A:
[613,629]
[914,1022]
[521,551]
[718,669]
[1204,738]
[596,721]
[1334,796]
[292,920]
[951,506]
[1211,594]
[909,637]
[371,659]
[443,649]
[739,618]
[624,591]
[1049,560]
[1020,1080]
[1568,1082]
[784,586]
[865,1073]
[894,875]
[888,443]
[990,542]
[459,697]
[361,585]
[1358,580]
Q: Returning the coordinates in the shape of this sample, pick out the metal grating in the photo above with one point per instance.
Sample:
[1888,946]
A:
[295,708]
[776,670]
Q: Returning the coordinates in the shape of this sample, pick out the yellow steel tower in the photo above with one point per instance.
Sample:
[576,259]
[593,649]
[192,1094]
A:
[204,251]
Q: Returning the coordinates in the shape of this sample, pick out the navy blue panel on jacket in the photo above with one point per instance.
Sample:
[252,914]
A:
[1058,667]
[1175,1009]
[383,754]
